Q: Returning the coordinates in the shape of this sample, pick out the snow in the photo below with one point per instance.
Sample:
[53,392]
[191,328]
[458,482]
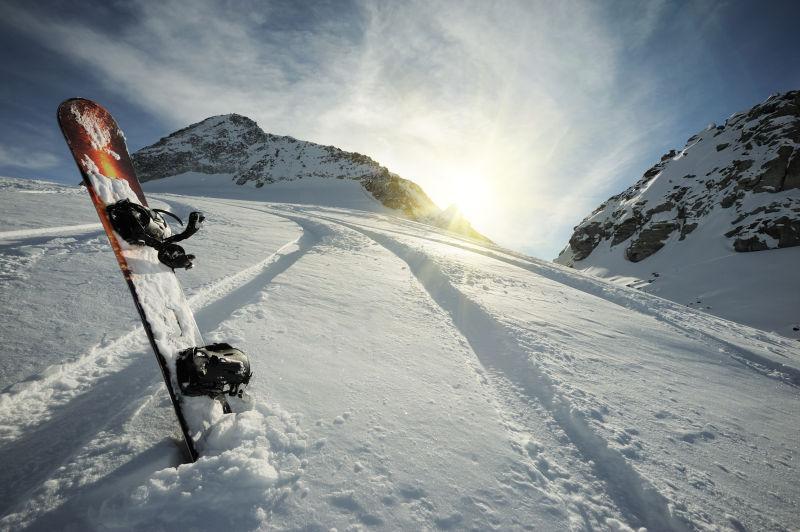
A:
[26,234]
[100,136]
[749,288]
[404,378]
[343,193]
[703,270]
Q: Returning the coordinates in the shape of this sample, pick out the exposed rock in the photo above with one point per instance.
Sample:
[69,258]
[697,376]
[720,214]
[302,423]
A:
[734,172]
[749,244]
[687,228]
[652,172]
[626,228]
[664,207]
[792,178]
[728,200]
[397,193]
[735,231]
[785,230]
[649,240]
[453,220]
[749,166]
[584,242]
[771,179]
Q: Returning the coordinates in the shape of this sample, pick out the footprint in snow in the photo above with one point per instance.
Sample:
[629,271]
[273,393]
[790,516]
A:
[412,492]
[339,420]
[692,437]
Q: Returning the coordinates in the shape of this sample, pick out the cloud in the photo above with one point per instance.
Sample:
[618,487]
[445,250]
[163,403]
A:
[528,96]
[23,158]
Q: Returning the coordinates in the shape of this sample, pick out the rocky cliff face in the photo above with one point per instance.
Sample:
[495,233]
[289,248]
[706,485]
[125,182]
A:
[745,172]
[234,144]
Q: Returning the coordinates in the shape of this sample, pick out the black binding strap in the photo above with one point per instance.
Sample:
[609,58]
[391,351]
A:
[162,211]
[192,226]
[129,220]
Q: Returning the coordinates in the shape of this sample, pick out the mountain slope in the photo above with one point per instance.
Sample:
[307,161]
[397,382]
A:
[405,378]
[235,146]
[684,229]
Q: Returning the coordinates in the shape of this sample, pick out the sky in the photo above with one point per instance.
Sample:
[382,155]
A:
[526,114]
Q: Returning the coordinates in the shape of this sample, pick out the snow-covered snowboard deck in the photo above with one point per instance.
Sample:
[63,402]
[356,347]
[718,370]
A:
[99,149]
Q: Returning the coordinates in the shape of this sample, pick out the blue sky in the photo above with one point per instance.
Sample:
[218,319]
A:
[528,114]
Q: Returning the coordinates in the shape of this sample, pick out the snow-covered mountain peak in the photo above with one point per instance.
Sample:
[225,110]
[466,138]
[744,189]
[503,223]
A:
[746,171]
[236,146]
[682,229]
[230,127]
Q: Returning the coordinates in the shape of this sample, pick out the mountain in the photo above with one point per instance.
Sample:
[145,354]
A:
[235,146]
[405,378]
[712,224]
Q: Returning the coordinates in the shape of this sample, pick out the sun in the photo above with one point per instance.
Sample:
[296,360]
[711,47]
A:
[472,193]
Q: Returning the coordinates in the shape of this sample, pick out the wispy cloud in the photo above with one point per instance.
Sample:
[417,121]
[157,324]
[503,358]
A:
[530,97]
[24,158]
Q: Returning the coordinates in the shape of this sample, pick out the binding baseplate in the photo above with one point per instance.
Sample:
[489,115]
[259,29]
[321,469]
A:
[214,370]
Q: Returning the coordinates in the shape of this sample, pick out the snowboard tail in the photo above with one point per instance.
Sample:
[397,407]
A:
[100,151]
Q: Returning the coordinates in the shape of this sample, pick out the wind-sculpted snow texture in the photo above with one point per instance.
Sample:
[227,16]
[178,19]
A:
[405,378]
[684,230]
[234,145]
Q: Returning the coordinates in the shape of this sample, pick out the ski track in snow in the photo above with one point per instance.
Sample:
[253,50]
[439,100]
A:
[563,455]
[634,495]
[40,412]
[642,503]
[29,403]
[25,235]
[17,257]
[687,321]
[538,469]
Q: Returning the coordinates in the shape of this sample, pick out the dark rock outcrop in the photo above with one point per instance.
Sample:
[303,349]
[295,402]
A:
[649,240]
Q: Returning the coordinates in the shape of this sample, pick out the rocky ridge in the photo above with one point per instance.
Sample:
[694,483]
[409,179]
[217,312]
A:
[234,144]
[746,170]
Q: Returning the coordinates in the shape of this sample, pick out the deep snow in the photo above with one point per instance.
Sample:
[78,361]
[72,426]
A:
[404,378]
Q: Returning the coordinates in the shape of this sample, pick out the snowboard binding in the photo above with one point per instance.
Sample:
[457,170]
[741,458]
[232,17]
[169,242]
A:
[140,226]
[214,370]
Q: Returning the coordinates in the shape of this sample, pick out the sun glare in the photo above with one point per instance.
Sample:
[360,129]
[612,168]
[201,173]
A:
[472,193]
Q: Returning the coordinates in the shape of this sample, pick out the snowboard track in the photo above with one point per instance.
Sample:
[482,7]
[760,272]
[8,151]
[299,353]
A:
[664,310]
[23,237]
[499,353]
[128,348]
[132,371]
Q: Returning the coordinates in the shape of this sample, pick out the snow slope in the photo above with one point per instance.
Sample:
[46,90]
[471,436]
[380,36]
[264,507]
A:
[405,378]
[343,193]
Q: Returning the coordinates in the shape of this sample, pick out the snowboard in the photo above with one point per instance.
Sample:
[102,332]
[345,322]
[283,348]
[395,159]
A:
[99,148]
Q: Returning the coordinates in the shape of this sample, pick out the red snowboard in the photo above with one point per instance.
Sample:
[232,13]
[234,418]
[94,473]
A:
[99,149]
